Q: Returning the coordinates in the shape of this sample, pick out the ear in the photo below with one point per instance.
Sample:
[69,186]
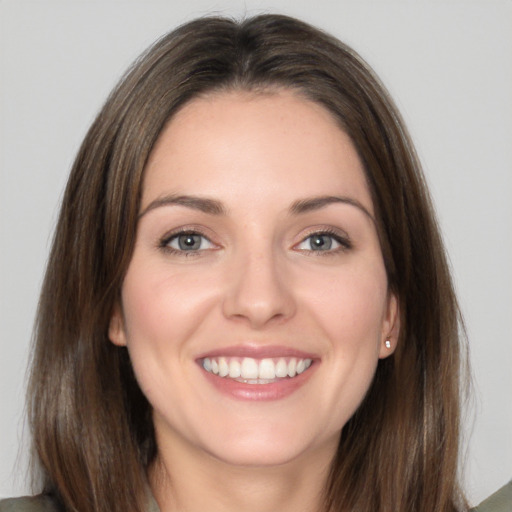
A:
[116,331]
[390,328]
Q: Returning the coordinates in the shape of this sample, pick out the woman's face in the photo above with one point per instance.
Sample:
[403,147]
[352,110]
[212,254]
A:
[256,305]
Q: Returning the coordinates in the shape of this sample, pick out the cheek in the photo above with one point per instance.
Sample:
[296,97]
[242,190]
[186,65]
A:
[162,307]
[350,306]
[161,311]
[350,309]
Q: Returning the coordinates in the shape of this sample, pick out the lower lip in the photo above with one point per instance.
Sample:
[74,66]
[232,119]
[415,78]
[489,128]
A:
[259,392]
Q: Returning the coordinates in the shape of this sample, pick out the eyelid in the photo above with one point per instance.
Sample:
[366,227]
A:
[165,240]
[338,235]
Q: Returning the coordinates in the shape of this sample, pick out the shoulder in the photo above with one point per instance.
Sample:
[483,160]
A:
[29,504]
[500,501]
[42,503]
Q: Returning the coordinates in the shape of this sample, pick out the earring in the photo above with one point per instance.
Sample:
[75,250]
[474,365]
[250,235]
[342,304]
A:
[387,343]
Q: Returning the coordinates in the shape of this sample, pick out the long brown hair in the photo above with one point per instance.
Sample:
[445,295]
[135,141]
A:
[92,428]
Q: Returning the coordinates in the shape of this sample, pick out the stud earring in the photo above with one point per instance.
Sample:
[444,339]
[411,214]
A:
[387,343]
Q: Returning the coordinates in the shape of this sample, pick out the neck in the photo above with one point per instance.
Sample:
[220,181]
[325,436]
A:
[202,482]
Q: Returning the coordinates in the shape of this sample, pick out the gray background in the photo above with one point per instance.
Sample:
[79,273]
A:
[448,64]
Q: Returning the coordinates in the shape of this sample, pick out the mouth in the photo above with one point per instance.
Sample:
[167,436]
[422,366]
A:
[253,371]
[258,374]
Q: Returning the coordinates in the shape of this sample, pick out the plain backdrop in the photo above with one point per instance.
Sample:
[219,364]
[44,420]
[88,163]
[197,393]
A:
[448,65]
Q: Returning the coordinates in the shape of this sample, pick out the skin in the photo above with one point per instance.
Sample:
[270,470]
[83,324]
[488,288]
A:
[256,281]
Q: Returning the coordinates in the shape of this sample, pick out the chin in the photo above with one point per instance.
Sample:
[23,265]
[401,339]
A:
[268,447]
[257,456]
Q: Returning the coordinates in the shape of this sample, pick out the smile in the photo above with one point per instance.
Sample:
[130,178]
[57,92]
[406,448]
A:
[249,370]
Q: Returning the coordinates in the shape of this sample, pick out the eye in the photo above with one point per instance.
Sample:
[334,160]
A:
[187,241]
[323,242]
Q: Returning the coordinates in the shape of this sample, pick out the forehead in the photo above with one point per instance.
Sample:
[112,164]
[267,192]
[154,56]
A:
[273,144]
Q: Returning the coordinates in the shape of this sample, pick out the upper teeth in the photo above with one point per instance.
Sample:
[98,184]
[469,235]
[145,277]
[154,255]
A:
[249,368]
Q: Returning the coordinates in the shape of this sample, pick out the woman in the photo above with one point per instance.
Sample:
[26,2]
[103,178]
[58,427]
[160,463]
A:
[247,303]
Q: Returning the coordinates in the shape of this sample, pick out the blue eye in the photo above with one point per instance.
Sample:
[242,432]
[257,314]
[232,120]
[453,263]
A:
[323,242]
[187,242]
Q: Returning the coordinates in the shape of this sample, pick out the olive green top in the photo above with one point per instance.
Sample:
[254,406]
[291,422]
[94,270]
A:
[46,504]
[500,501]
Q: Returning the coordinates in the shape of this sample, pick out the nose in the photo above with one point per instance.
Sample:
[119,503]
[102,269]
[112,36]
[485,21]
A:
[259,291]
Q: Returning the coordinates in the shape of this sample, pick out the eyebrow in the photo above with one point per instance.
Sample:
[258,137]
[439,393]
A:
[203,204]
[214,207]
[317,203]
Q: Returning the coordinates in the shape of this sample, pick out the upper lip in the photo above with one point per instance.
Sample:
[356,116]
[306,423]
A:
[258,352]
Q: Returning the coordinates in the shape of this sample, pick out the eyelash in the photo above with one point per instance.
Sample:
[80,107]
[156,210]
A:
[164,243]
[344,242]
